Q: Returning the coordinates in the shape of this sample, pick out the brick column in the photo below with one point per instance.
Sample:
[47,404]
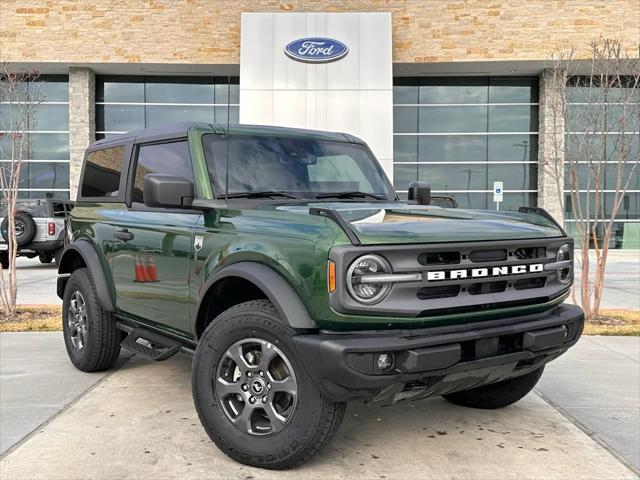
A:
[82,120]
[551,143]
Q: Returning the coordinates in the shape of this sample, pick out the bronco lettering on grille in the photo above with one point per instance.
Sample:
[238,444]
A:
[484,272]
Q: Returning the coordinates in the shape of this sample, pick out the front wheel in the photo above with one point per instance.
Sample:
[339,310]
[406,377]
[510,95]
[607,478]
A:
[499,394]
[90,334]
[252,394]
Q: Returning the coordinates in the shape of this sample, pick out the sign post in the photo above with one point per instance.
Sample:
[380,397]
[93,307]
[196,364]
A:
[498,190]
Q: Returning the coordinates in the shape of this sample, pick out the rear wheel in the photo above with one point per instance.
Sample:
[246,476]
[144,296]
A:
[252,394]
[90,334]
[499,394]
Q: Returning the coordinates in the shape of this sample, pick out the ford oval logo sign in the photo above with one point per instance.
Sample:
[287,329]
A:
[316,50]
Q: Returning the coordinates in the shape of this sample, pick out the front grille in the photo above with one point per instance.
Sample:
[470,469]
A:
[483,256]
[474,277]
[459,277]
[443,291]
[527,283]
[489,287]
[439,258]
[530,253]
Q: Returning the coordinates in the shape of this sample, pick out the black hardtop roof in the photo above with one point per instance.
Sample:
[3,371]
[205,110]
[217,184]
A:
[180,129]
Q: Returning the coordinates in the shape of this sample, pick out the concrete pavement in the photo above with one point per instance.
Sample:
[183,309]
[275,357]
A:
[139,422]
[36,382]
[597,384]
[36,282]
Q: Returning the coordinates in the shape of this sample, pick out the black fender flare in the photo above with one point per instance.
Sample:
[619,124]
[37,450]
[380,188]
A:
[91,259]
[275,287]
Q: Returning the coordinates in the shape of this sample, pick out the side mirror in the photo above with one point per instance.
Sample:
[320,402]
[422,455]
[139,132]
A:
[161,190]
[420,193]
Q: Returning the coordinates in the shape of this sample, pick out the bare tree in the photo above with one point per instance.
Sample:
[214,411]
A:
[598,159]
[19,100]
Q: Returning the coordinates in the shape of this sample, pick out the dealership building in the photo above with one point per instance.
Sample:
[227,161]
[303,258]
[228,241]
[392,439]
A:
[452,92]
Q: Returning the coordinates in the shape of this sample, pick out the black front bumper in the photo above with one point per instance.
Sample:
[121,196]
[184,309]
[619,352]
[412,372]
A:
[436,360]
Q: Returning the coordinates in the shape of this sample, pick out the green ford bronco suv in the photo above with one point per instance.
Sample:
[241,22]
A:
[283,261]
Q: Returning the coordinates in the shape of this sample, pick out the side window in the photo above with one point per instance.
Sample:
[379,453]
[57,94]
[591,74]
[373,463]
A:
[102,172]
[170,158]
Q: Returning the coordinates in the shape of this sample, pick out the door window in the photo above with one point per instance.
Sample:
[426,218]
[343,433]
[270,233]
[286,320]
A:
[102,170]
[168,158]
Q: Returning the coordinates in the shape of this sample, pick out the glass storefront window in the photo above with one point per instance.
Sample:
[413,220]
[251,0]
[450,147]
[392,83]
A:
[405,119]
[452,148]
[177,90]
[127,103]
[45,167]
[160,114]
[629,207]
[513,118]
[49,146]
[460,134]
[510,148]
[119,118]
[405,148]
[40,146]
[120,89]
[472,176]
[513,90]
[453,90]
[603,146]
[44,175]
[452,119]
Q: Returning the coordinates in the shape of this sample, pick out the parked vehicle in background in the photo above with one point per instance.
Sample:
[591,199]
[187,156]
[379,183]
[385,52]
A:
[39,229]
[284,261]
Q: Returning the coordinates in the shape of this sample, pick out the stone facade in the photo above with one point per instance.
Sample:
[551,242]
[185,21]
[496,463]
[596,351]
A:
[551,142]
[82,125]
[208,31]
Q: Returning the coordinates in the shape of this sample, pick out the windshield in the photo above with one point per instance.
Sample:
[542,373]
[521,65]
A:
[293,167]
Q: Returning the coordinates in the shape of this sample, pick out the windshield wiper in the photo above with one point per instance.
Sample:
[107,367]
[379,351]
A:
[263,194]
[349,195]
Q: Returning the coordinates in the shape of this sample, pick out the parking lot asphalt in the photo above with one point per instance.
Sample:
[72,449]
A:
[37,282]
[139,422]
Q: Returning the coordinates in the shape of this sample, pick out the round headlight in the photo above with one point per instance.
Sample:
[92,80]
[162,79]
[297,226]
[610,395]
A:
[368,292]
[565,253]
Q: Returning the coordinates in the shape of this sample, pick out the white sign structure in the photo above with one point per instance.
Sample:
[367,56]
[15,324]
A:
[498,190]
[324,71]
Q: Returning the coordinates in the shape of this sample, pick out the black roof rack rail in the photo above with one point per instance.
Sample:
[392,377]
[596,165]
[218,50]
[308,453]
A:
[342,223]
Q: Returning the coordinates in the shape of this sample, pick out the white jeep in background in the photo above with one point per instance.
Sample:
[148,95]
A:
[39,227]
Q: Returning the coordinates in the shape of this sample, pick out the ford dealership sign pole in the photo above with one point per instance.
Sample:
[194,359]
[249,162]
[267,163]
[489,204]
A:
[316,50]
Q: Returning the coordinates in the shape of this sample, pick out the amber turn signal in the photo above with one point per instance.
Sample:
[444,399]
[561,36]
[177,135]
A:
[331,276]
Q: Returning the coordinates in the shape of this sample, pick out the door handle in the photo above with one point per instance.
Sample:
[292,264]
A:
[124,235]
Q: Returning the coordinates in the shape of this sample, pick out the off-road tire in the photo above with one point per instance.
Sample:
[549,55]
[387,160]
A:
[499,394]
[312,424]
[102,345]
[27,228]
[45,257]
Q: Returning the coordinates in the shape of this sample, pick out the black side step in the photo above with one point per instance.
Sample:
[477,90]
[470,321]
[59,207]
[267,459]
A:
[150,345]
